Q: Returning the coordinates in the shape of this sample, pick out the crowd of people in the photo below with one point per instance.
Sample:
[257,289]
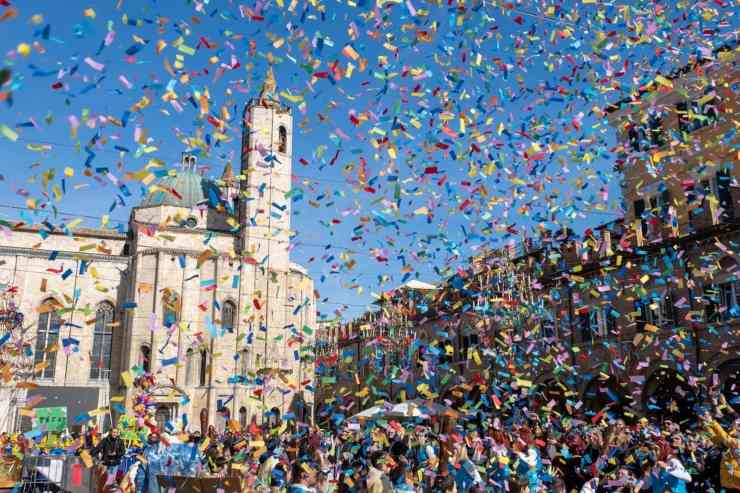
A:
[477,452]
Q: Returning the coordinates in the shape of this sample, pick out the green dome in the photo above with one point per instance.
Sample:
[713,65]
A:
[189,188]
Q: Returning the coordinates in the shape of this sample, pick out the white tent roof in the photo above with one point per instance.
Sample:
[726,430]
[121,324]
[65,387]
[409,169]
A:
[416,408]
[421,285]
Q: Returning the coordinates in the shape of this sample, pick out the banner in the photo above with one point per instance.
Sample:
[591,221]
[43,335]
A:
[55,418]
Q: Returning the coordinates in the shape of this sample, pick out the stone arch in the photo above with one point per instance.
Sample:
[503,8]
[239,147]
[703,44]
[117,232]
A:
[153,390]
[667,395]
[189,366]
[729,381]
[243,417]
[229,315]
[273,417]
[145,357]
[604,395]
[166,407]
[282,139]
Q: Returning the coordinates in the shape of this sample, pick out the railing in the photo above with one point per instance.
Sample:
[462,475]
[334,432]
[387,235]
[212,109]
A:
[56,473]
[100,374]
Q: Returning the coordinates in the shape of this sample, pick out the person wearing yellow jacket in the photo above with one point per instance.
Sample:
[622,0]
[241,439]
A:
[729,476]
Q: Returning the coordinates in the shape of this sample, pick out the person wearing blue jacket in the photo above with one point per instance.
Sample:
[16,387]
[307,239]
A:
[669,475]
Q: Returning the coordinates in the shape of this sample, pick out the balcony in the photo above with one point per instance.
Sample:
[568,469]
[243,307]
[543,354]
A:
[100,374]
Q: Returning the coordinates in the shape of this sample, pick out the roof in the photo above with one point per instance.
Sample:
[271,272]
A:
[185,189]
[414,284]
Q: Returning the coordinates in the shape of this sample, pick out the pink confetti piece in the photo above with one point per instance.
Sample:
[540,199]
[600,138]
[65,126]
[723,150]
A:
[110,37]
[125,82]
[94,65]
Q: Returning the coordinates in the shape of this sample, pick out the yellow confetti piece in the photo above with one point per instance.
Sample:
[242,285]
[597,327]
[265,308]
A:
[664,82]
[24,49]
[141,104]
[186,49]
[74,223]
[127,378]
[9,133]
[293,98]
[350,52]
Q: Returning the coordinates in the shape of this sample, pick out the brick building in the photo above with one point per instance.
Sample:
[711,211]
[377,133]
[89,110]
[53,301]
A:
[638,314]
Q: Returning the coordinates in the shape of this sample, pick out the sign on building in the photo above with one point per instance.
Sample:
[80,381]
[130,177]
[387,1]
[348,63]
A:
[55,418]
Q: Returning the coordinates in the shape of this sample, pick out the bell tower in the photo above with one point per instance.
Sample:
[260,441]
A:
[266,162]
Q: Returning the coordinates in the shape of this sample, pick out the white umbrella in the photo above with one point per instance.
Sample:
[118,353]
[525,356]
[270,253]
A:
[415,408]
[372,412]
[419,408]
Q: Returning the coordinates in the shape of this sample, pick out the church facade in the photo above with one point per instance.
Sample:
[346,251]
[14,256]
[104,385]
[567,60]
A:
[199,294]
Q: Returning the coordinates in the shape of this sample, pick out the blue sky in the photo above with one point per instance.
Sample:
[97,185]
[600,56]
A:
[384,167]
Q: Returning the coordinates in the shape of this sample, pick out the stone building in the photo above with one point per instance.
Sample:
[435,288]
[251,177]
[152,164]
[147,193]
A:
[200,292]
[641,314]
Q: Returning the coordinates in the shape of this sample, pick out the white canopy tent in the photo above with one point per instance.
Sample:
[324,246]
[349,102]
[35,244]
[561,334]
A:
[416,408]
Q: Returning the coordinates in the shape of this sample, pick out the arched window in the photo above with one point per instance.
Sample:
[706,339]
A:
[225,414]
[145,358]
[189,357]
[243,362]
[47,335]
[282,139]
[228,316]
[102,341]
[203,367]
[243,418]
[170,307]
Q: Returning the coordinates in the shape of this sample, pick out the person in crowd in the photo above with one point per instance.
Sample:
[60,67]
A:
[377,475]
[110,450]
[730,442]
[301,479]
[486,450]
